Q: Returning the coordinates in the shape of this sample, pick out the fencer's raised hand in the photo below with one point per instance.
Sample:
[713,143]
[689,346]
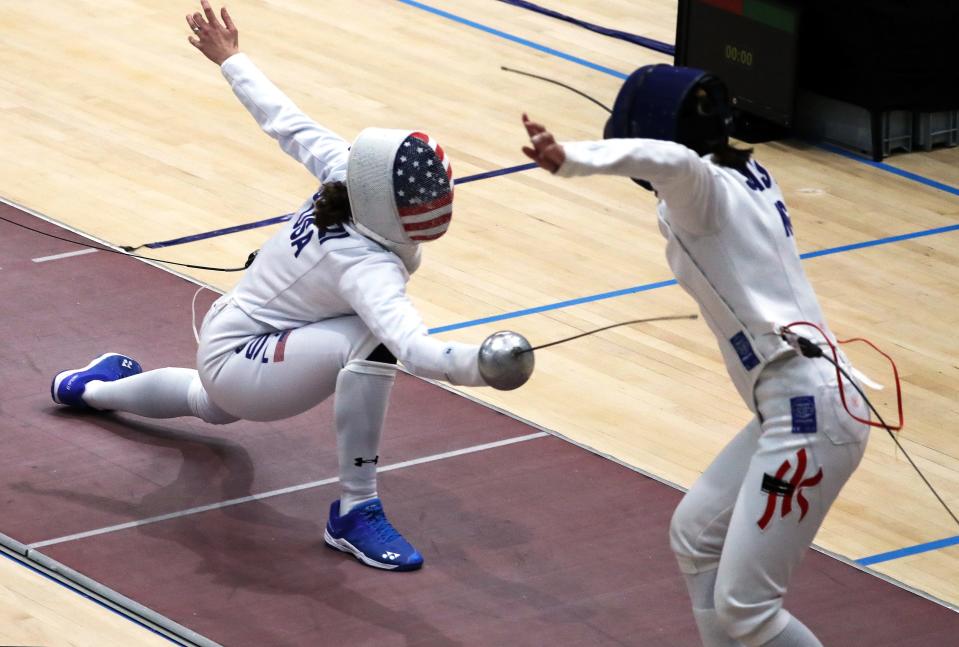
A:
[545,151]
[217,41]
[506,360]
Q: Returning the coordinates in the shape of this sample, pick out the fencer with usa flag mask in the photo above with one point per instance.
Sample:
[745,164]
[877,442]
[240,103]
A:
[745,524]
[322,309]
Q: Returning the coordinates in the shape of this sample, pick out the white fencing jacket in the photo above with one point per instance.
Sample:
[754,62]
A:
[304,274]
[730,245]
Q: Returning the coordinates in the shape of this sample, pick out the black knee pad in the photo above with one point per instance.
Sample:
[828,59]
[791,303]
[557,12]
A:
[382,355]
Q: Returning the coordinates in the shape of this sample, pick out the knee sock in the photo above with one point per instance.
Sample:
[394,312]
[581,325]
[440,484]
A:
[796,634]
[701,588]
[362,396]
[163,393]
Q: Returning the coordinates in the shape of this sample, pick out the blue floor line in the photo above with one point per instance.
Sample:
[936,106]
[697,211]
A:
[524,167]
[909,175]
[880,241]
[910,550]
[277,219]
[496,173]
[218,232]
[515,39]
[635,39]
[554,306]
[662,284]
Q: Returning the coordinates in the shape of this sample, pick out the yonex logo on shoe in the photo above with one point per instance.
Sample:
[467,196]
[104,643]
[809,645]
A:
[126,363]
[390,555]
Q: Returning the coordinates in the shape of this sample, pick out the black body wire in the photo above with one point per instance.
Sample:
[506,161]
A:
[560,84]
[615,325]
[249,260]
[809,349]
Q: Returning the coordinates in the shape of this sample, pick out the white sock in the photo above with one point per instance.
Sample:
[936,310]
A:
[362,396]
[163,393]
[702,587]
[796,634]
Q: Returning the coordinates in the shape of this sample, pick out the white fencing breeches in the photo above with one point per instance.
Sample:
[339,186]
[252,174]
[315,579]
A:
[757,507]
[257,374]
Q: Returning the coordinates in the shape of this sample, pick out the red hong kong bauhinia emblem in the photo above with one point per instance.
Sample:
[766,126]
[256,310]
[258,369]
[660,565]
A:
[779,488]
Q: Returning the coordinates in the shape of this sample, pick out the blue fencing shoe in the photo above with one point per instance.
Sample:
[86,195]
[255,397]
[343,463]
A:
[367,533]
[68,386]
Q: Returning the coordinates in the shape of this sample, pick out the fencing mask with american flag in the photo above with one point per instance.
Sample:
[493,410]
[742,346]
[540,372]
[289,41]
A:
[400,185]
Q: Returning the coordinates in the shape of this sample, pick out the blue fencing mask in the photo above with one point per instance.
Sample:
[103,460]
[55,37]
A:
[678,104]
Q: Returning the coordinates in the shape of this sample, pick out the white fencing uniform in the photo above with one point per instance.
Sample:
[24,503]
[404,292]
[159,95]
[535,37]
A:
[745,524]
[313,299]
[307,314]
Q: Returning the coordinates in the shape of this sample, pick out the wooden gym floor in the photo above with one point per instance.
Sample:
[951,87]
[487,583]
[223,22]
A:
[114,126]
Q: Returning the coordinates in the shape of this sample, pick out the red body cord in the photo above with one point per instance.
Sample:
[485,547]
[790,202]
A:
[839,377]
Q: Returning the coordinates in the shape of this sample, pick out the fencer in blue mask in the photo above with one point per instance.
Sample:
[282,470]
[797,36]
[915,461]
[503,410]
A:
[744,526]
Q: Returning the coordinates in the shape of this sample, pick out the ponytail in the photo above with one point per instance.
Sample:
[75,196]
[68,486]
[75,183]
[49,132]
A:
[332,206]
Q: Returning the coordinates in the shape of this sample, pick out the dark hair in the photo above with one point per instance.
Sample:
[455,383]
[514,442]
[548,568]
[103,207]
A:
[732,157]
[332,206]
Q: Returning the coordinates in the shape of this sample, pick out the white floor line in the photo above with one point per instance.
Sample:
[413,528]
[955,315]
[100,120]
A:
[619,461]
[287,490]
[56,257]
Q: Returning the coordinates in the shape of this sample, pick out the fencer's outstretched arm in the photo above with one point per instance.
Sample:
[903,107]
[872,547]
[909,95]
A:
[678,174]
[321,151]
[376,290]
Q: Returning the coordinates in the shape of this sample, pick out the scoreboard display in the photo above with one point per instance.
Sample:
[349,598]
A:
[751,45]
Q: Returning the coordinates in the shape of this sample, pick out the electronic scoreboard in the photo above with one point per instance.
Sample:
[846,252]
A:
[751,45]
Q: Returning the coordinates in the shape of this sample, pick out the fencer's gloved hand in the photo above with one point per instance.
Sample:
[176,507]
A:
[506,360]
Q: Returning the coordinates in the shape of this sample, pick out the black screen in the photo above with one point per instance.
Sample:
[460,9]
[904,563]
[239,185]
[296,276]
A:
[754,54]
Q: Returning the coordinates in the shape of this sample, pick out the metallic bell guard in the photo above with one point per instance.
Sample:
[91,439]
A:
[506,360]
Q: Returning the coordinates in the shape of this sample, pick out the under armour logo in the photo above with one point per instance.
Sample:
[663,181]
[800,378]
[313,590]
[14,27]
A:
[777,487]
[390,555]
[358,461]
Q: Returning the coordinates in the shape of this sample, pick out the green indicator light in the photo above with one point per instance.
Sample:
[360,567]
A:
[769,14]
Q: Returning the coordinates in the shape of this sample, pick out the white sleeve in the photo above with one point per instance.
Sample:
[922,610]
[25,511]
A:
[321,151]
[681,178]
[376,288]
